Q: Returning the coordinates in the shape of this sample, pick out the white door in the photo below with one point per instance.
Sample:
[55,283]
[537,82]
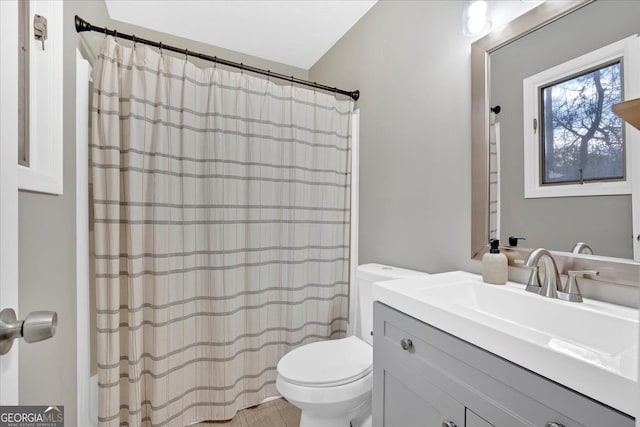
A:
[9,187]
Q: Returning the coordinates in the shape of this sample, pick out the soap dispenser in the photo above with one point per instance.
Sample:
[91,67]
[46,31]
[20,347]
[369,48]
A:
[495,265]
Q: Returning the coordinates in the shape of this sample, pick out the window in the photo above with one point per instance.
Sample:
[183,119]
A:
[581,139]
[576,145]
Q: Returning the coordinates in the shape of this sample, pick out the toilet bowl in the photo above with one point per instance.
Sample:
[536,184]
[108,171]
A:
[338,388]
[331,381]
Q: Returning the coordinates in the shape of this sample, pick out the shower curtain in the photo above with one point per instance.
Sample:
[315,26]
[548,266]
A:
[222,208]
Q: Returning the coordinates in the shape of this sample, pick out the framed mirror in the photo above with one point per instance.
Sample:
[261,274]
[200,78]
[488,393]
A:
[615,267]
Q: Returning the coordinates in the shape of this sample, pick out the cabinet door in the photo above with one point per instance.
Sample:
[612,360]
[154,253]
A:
[425,407]
[474,420]
[409,400]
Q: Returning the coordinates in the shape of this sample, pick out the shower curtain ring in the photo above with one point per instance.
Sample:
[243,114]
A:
[133,37]
[186,54]
[105,32]
[160,49]
[115,35]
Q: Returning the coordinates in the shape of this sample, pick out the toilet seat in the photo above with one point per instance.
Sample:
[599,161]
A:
[327,363]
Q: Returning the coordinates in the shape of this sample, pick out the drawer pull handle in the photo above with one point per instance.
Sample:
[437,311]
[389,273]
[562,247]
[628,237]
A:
[406,344]
[448,424]
[553,424]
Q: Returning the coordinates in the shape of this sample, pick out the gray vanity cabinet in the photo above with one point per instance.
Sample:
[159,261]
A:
[424,377]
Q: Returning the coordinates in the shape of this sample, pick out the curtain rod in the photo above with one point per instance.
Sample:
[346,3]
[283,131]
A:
[82,26]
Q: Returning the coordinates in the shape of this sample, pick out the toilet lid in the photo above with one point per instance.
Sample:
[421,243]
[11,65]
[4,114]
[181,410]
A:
[327,363]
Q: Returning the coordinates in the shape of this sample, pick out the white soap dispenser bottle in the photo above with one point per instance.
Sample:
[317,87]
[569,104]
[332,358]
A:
[495,265]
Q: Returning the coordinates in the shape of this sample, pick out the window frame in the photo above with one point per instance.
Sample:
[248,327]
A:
[627,51]
[44,173]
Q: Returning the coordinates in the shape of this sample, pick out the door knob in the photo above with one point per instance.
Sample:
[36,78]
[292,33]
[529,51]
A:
[448,424]
[37,326]
[406,344]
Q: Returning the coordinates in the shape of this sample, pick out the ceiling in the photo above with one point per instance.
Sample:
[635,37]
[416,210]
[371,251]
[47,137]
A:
[295,33]
[292,32]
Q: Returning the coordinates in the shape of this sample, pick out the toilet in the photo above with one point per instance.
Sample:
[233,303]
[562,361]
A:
[331,381]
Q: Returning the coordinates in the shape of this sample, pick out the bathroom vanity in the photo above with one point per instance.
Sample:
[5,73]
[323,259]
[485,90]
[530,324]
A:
[465,371]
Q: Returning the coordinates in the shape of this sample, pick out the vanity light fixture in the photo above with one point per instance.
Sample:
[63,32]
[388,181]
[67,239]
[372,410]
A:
[475,18]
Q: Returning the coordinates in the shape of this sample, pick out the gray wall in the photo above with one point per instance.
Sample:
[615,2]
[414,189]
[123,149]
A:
[411,63]
[558,223]
[47,232]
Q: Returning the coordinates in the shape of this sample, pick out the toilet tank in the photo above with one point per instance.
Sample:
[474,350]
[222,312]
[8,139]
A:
[367,275]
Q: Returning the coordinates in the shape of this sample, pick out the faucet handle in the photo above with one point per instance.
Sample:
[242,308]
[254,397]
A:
[572,290]
[533,284]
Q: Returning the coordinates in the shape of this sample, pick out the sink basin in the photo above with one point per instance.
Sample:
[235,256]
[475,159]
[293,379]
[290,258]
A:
[575,329]
[591,347]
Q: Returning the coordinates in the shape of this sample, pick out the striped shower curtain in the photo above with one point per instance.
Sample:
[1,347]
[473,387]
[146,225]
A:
[222,207]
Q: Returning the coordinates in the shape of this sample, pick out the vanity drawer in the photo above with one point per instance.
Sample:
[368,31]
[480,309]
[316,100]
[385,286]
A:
[496,390]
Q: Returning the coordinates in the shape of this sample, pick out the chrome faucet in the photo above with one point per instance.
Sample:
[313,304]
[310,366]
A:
[552,283]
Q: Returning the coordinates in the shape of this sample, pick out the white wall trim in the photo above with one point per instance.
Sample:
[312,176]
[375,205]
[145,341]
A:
[9,188]
[44,173]
[633,152]
[355,200]
[626,48]
[83,75]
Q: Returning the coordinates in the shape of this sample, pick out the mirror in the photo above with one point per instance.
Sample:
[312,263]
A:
[533,218]
[602,221]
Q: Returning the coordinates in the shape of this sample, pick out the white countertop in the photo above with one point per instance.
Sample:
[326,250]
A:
[590,347]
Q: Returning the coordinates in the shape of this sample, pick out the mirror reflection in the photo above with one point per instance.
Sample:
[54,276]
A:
[574,208]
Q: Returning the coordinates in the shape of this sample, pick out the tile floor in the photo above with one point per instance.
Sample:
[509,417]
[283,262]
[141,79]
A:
[277,413]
